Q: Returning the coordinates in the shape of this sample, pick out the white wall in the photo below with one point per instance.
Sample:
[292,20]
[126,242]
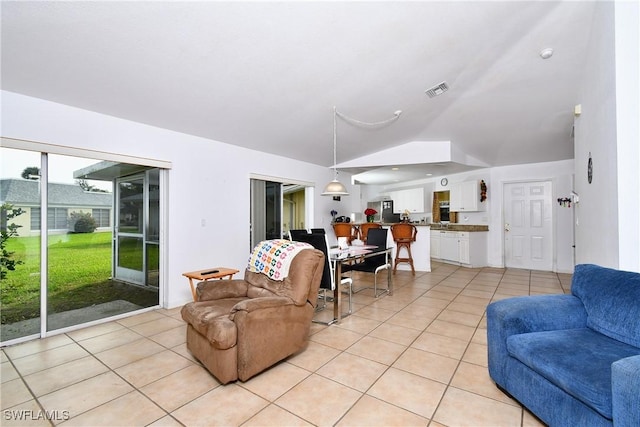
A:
[607,222]
[209,180]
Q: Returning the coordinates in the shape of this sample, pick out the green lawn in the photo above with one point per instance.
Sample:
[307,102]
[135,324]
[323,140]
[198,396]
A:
[78,276]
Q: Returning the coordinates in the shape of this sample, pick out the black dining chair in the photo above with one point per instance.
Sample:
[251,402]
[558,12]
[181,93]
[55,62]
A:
[320,241]
[293,234]
[375,263]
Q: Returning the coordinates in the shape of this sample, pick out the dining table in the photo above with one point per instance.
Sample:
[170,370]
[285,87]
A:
[339,256]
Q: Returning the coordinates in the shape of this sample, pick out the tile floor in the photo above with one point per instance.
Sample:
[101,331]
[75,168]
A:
[417,358]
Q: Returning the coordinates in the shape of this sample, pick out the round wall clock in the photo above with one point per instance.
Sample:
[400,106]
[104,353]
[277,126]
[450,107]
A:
[589,169]
[444,182]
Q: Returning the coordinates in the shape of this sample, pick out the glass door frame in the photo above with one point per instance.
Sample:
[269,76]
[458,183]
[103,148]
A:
[124,273]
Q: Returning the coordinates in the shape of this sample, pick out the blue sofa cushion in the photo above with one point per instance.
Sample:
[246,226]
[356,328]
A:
[577,361]
[610,298]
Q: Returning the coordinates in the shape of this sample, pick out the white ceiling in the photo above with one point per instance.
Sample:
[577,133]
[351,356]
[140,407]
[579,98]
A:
[266,75]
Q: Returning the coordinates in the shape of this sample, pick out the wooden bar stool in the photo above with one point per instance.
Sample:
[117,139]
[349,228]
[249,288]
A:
[404,235]
[345,229]
[364,230]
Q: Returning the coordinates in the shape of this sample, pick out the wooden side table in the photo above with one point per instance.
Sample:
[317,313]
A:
[208,274]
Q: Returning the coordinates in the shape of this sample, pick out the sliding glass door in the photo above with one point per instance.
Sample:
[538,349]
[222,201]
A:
[20,225]
[100,254]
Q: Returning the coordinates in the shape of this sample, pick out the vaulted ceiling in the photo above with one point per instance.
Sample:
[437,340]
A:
[266,75]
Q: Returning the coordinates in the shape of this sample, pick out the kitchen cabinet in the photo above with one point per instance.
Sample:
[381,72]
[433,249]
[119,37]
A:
[411,200]
[449,246]
[465,197]
[468,249]
[435,244]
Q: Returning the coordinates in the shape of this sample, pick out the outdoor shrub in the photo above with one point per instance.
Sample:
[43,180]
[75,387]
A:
[83,222]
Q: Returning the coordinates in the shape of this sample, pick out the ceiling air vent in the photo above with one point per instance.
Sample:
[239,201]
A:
[437,90]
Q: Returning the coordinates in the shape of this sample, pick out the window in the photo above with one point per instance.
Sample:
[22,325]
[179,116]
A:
[57,218]
[102,217]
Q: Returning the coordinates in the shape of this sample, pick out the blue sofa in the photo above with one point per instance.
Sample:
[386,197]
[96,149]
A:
[572,360]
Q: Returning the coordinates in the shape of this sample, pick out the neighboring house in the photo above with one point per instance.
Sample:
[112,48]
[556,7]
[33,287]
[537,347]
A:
[64,199]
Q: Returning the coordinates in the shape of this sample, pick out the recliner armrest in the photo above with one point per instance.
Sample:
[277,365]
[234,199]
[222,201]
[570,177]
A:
[625,390]
[220,289]
[521,315]
[254,304]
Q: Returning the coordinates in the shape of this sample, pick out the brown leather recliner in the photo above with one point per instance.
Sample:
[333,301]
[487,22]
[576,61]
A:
[238,328]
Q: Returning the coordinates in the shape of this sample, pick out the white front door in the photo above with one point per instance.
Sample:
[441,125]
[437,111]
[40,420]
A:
[528,227]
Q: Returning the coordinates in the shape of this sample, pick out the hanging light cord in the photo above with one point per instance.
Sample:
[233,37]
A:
[396,116]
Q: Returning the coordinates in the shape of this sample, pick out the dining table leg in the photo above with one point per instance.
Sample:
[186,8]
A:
[337,293]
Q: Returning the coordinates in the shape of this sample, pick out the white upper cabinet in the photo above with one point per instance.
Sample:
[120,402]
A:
[465,197]
[411,200]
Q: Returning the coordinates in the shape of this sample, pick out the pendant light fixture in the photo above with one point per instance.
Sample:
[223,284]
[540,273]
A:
[335,187]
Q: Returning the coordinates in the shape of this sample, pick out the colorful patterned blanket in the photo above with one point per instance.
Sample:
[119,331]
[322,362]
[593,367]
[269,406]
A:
[273,257]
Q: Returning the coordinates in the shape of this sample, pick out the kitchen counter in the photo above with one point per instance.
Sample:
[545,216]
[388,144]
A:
[459,227]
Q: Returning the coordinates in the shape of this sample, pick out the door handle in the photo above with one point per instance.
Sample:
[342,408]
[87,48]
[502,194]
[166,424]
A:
[507,227]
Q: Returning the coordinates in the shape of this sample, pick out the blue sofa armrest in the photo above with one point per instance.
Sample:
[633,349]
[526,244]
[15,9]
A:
[520,315]
[625,384]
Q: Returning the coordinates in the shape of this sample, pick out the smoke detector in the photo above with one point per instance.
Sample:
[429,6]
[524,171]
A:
[437,90]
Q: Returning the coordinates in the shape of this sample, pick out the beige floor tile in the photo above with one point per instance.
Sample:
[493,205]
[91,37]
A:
[94,331]
[375,313]
[46,359]
[229,405]
[27,414]
[313,357]
[57,377]
[372,412]
[466,308]
[476,354]
[476,379]
[141,318]
[132,409]
[180,387]
[337,338]
[462,408]
[183,351]
[439,344]
[482,302]
[14,392]
[432,302]
[408,391]
[152,368]
[8,372]
[378,350]
[129,353]
[318,400]
[276,381]
[274,416]
[453,330]
[353,371]
[166,421]
[410,321]
[110,340]
[156,326]
[171,337]
[394,333]
[480,336]
[421,311]
[37,346]
[86,395]
[466,319]
[426,364]
[3,357]
[360,325]
[438,294]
